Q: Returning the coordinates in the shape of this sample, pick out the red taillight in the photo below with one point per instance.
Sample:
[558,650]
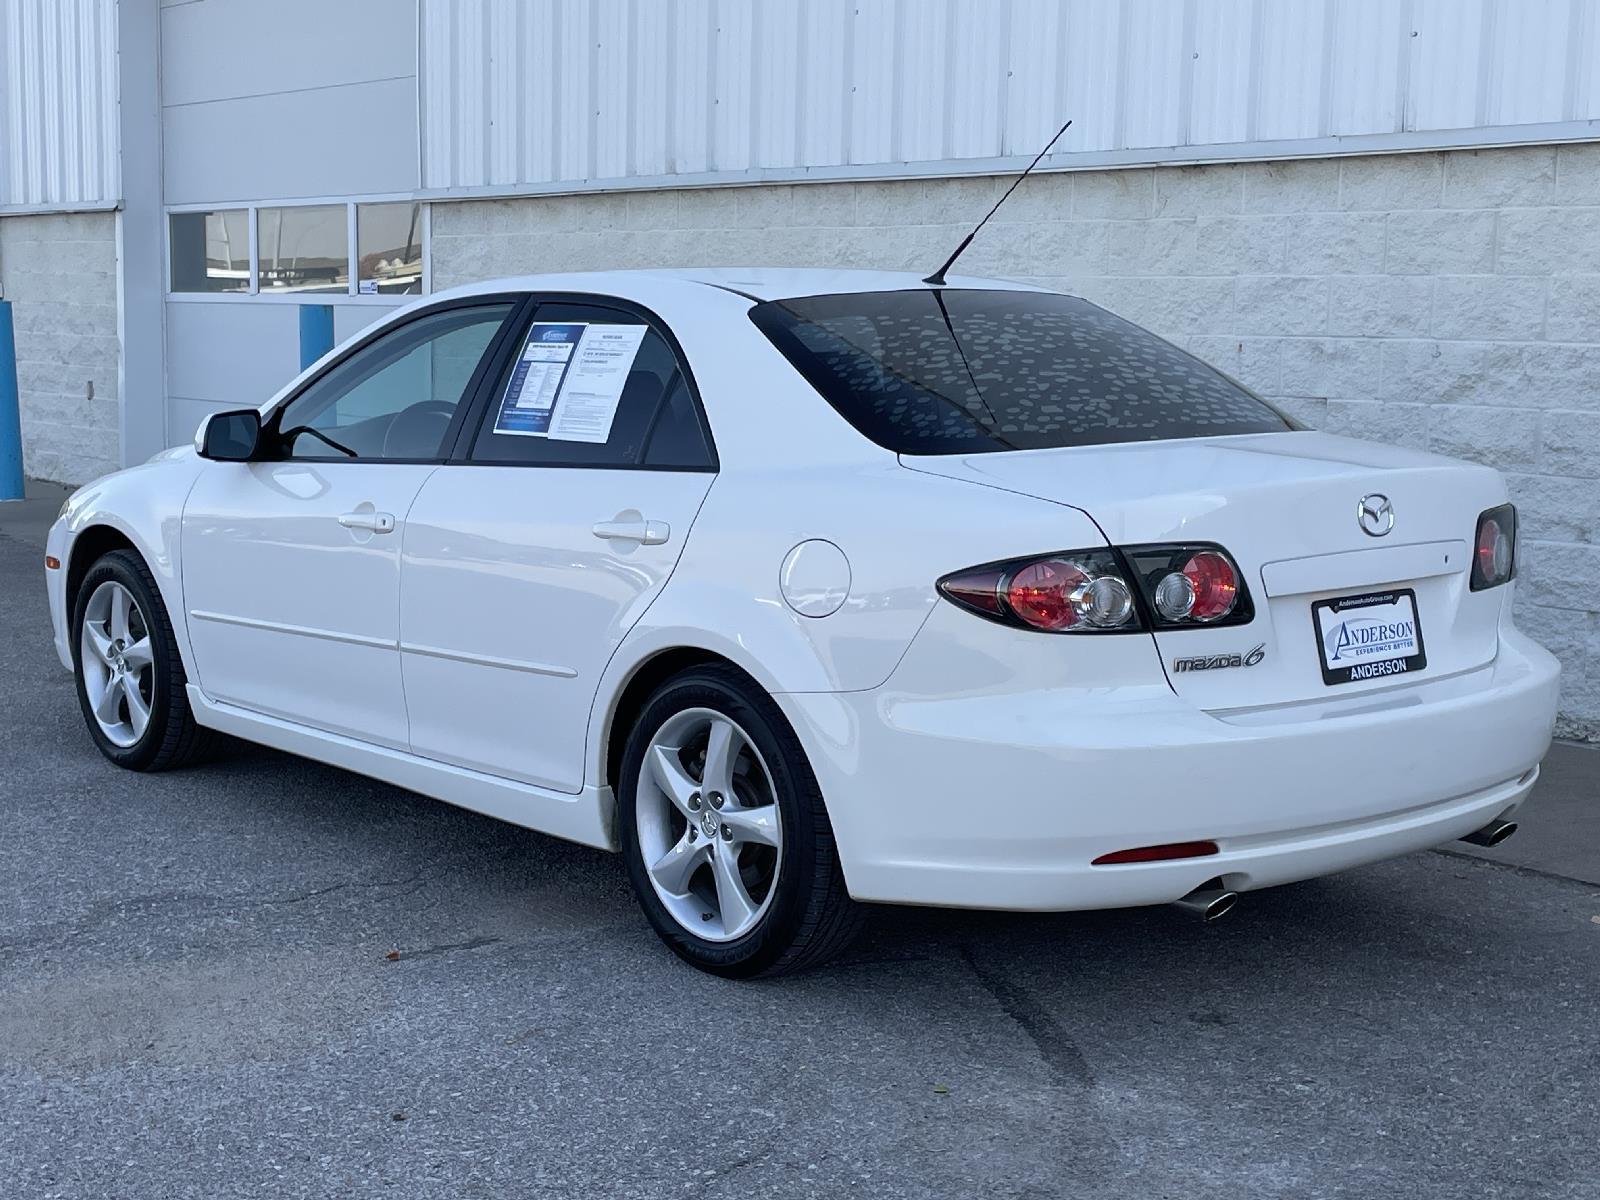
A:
[1491,549]
[1215,583]
[1099,591]
[1494,558]
[1041,594]
[1157,853]
[978,589]
[1075,591]
[1188,585]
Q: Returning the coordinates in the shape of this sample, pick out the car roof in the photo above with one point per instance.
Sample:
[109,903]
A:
[755,283]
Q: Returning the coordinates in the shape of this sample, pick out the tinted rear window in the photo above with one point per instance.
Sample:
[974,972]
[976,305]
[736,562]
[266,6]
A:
[957,371]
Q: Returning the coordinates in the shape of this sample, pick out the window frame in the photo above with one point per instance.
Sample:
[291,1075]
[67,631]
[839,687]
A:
[272,422]
[487,397]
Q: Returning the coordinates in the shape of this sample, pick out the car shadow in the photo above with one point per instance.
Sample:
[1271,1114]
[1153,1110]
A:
[1301,931]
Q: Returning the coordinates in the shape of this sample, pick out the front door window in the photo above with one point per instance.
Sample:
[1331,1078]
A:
[396,398]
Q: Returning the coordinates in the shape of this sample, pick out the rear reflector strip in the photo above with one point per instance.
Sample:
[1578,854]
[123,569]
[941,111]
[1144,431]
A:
[1157,853]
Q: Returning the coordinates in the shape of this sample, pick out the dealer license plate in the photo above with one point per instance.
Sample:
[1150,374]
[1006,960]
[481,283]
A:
[1369,636]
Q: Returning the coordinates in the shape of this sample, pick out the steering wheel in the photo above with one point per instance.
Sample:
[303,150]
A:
[423,424]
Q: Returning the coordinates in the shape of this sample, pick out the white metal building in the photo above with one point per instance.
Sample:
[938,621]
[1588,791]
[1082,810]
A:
[1384,214]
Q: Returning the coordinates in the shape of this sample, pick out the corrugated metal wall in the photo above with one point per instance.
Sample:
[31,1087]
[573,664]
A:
[552,91]
[530,93]
[58,103]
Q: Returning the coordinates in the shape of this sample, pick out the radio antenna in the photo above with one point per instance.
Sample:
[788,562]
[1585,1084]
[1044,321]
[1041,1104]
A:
[937,278]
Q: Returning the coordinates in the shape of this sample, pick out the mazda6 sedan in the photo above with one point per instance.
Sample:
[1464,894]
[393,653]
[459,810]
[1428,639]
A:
[808,588]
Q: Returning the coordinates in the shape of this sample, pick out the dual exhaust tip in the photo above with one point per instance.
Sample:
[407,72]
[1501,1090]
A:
[1209,902]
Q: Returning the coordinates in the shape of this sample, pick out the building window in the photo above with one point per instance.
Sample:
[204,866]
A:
[211,251]
[389,249]
[304,249]
[290,251]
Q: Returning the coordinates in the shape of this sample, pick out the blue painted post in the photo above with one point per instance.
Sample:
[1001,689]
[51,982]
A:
[10,410]
[316,332]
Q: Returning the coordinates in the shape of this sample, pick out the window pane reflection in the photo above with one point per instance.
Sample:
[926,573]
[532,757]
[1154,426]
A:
[304,249]
[211,251]
[389,249]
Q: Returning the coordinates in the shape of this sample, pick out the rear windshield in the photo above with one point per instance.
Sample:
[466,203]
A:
[962,371]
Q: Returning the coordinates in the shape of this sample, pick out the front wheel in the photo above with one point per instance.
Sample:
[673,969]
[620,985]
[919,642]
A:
[727,841]
[131,682]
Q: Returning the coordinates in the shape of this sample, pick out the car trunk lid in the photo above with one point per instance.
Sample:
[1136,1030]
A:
[1285,506]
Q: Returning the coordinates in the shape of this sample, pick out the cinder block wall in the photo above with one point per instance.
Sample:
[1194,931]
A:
[1447,301]
[60,273]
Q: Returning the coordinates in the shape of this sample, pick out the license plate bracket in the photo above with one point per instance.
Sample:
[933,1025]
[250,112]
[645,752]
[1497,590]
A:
[1368,636]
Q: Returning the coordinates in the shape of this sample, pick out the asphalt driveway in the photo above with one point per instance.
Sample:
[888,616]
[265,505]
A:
[264,977]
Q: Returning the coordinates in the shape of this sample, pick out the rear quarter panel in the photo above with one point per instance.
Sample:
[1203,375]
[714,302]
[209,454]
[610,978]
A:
[900,532]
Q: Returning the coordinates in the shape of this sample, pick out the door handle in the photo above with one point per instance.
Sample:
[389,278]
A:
[646,533]
[372,522]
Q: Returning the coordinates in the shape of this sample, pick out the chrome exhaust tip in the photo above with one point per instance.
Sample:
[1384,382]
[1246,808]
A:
[1207,904]
[1492,834]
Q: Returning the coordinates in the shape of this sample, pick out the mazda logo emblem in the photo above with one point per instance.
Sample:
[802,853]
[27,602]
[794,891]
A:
[1375,514]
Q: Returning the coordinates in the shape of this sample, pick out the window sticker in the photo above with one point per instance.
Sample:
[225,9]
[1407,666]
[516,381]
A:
[568,381]
[530,397]
[587,402]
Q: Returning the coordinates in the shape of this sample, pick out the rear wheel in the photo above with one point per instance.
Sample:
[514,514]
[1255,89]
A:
[726,838]
[131,682]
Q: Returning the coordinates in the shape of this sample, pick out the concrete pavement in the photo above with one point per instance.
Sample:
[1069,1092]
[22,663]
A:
[197,1000]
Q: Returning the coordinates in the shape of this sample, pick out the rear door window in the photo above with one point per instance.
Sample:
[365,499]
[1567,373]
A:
[963,371]
[635,408]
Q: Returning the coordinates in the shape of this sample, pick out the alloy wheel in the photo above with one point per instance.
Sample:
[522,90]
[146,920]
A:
[117,663]
[710,833]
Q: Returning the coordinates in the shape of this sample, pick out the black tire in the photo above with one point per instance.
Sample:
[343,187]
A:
[811,917]
[171,738]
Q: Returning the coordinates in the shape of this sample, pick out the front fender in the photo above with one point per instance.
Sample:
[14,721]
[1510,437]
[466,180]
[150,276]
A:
[143,504]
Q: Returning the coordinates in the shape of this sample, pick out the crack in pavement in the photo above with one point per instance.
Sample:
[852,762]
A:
[57,933]
[1054,1044]
[1087,1135]
[1515,868]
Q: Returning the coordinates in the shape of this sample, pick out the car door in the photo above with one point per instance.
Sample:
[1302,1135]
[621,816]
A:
[291,565]
[526,562]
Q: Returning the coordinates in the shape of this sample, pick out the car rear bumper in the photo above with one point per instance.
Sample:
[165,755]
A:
[999,799]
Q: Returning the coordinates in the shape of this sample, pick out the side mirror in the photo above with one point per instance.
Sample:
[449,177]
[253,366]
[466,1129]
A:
[229,436]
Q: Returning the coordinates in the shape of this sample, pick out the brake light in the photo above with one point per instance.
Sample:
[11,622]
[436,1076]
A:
[1077,591]
[1041,594]
[1110,590]
[1215,584]
[1191,584]
[1494,549]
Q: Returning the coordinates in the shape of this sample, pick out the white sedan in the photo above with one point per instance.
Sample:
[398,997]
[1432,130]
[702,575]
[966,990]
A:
[806,588]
